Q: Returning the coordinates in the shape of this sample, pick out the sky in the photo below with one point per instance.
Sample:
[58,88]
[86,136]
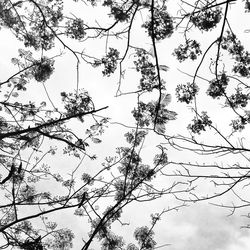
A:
[201,226]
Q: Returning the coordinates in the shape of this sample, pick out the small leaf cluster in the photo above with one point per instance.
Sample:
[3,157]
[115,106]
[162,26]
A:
[86,178]
[206,19]
[153,113]
[27,193]
[145,113]
[161,24]
[110,62]
[97,130]
[43,69]
[119,14]
[40,35]
[130,161]
[240,123]
[7,16]
[30,244]
[134,172]
[145,238]
[40,69]
[54,12]
[186,92]
[121,189]
[75,103]
[247,6]
[135,138]
[239,99]
[242,57]
[218,86]
[75,29]
[26,237]
[44,41]
[161,159]
[62,239]
[110,241]
[74,147]
[31,27]
[189,50]
[28,110]
[143,65]
[133,169]
[114,214]
[200,123]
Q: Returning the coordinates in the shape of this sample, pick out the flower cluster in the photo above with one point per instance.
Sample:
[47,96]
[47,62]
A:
[200,123]
[76,29]
[189,50]
[186,92]
[161,24]
[218,86]
[206,19]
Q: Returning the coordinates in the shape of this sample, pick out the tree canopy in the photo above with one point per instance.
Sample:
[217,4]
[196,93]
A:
[57,123]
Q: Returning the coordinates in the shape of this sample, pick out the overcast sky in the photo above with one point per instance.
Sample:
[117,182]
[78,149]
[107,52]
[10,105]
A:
[197,227]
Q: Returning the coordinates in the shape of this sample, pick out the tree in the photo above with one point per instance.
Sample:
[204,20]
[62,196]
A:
[37,130]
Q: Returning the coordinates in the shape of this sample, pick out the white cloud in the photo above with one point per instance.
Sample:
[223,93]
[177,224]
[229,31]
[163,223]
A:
[205,227]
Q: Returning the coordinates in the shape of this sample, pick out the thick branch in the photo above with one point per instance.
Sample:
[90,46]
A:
[51,123]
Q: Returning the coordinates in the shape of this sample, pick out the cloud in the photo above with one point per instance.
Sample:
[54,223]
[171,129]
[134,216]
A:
[206,227]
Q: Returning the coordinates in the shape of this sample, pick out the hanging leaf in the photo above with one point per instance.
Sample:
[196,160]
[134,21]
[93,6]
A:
[169,115]
[165,99]
[96,140]
[163,67]
[14,94]
[151,52]
[160,128]
[95,127]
